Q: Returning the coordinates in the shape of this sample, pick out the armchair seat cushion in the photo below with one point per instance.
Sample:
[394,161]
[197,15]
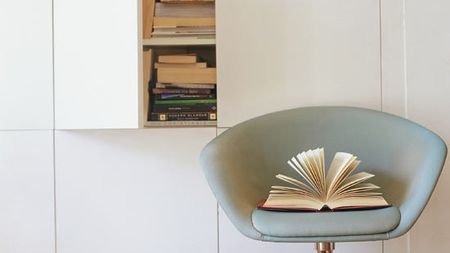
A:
[339,223]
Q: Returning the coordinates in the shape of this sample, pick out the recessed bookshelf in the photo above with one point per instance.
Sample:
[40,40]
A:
[179,63]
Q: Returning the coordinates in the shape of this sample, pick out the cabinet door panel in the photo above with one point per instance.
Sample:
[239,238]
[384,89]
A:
[275,55]
[428,88]
[134,191]
[96,64]
[26,192]
[26,79]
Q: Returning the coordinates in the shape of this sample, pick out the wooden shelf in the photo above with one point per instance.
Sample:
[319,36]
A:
[177,42]
[196,123]
[180,41]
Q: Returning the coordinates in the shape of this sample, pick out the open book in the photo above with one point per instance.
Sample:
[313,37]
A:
[336,190]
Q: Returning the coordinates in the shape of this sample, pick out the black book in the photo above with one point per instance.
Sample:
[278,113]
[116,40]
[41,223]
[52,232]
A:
[184,108]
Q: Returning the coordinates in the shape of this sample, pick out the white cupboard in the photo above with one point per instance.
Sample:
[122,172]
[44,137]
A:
[96,64]
[27,221]
[270,56]
[134,191]
[428,88]
[26,77]
[275,55]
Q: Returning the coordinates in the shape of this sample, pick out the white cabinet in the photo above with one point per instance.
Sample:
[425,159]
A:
[26,84]
[270,56]
[134,191]
[26,192]
[96,64]
[274,55]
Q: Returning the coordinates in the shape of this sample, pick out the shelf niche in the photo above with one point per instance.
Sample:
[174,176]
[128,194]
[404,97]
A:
[202,45]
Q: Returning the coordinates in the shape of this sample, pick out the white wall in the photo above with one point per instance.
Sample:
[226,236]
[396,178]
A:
[107,181]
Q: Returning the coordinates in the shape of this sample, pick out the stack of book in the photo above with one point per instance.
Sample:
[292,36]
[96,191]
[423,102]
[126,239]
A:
[184,18]
[185,89]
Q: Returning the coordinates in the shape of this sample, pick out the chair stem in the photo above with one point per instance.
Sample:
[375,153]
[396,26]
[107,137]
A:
[324,247]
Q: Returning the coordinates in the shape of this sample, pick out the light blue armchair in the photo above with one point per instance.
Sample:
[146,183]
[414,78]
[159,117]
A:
[240,166]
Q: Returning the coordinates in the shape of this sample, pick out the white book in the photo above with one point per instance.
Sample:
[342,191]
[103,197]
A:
[317,190]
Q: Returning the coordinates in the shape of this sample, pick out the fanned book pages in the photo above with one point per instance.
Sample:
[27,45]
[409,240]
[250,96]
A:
[336,190]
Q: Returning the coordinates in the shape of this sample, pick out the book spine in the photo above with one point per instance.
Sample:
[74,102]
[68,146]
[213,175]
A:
[184,96]
[159,22]
[179,59]
[180,75]
[181,91]
[200,65]
[184,108]
[175,1]
[184,86]
[183,116]
[185,102]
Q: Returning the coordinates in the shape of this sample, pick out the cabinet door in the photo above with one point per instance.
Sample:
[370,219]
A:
[26,192]
[428,75]
[275,55]
[26,82]
[134,191]
[96,64]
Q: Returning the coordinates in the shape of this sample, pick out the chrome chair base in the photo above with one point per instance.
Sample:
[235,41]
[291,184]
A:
[324,247]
